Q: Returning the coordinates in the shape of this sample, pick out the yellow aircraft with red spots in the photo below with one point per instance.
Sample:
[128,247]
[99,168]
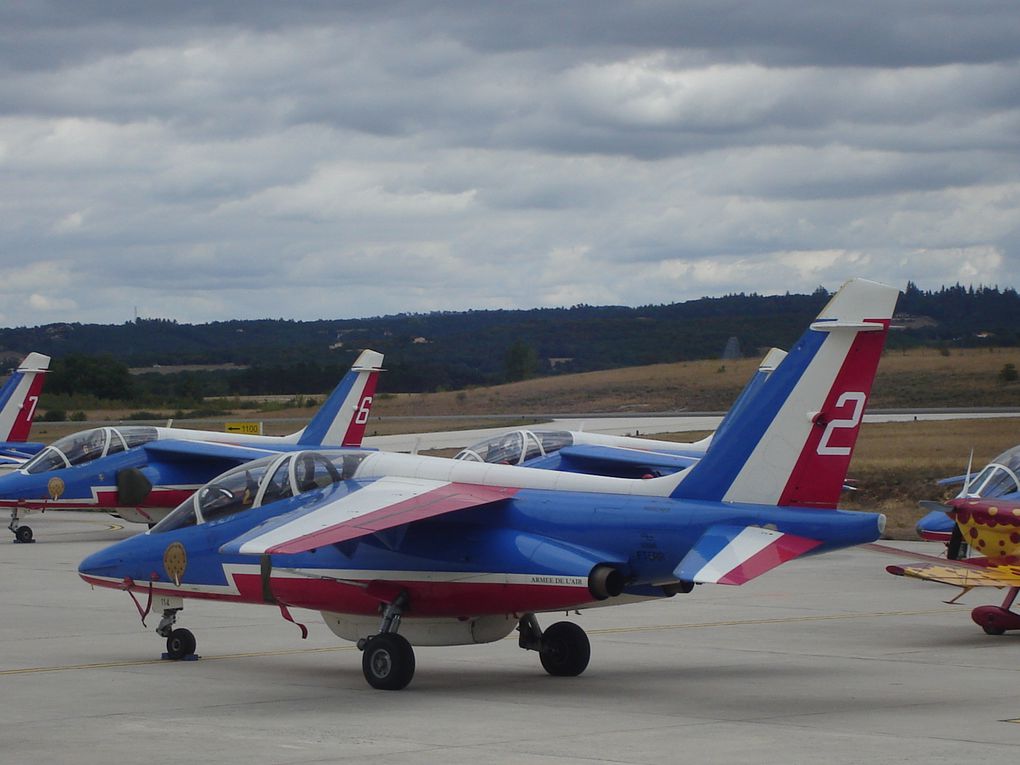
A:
[991,528]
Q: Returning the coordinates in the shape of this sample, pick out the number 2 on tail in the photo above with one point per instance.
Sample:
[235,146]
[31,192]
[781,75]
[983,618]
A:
[858,399]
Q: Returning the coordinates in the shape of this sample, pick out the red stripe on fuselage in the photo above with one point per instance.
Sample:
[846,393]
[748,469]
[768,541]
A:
[102,500]
[427,599]
[817,479]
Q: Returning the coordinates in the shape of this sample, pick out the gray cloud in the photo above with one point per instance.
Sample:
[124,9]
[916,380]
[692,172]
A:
[311,159]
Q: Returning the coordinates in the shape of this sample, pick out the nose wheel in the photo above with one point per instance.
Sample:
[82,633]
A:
[180,642]
[22,534]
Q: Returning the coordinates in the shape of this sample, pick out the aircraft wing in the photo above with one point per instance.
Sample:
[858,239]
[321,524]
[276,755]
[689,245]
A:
[179,450]
[737,554]
[975,572]
[594,456]
[384,504]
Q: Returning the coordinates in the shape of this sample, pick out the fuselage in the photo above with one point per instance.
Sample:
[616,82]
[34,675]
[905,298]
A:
[81,472]
[531,552]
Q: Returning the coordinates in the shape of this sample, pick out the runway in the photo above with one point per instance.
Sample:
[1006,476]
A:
[826,659]
[646,425]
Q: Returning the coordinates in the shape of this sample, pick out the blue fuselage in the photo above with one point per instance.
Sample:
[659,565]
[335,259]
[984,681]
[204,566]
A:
[532,552]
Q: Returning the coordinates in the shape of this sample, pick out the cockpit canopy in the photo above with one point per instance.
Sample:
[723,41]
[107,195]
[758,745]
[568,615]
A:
[88,445]
[261,482]
[517,447]
[999,477]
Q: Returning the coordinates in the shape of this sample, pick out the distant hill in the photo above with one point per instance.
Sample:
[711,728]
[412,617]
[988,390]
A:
[452,350]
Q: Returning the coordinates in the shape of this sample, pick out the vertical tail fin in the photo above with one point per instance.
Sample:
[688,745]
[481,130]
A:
[766,368]
[792,445]
[20,396]
[342,418]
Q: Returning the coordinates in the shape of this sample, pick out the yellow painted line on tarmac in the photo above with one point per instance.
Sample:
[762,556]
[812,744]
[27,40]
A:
[606,631]
[146,662]
[776,620]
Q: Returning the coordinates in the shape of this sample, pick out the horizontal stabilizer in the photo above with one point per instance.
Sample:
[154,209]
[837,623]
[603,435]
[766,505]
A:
[737,554]
[594,456]
[383,504]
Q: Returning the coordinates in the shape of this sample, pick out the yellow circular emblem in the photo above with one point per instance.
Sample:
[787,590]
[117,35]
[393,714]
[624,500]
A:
[55,487]
[175,560]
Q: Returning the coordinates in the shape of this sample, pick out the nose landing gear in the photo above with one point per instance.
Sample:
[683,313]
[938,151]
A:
[180,642]
[22,534]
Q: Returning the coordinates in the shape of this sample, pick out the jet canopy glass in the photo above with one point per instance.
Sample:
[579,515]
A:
[261,482]
[81,448]
[998,478]
[517,447]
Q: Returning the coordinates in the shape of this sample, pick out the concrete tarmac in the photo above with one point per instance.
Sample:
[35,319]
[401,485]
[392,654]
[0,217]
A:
[633,425]
[827,659]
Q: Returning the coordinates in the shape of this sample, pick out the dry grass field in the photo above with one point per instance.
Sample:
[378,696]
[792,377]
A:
[898,463]
[917,378]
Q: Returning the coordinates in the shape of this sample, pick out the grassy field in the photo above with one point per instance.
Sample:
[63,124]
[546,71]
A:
[918,378]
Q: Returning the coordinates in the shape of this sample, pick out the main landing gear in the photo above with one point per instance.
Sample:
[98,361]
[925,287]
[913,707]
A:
[563,648]
[388,659]
[180,643]
[995,620]
[22,533]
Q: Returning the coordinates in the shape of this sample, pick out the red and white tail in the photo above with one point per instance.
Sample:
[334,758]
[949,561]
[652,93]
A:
[20,396]
[793,445]
[342,418]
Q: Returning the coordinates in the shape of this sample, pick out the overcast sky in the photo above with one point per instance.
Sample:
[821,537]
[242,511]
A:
[331,160]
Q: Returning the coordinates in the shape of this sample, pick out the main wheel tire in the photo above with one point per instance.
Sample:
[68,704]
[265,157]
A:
[993,629]
[565,650]
[24,534]
[388,662]
[180,643]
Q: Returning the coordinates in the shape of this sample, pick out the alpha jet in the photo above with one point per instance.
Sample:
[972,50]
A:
[141,473]
[599,454]
[396,549]
[19,398]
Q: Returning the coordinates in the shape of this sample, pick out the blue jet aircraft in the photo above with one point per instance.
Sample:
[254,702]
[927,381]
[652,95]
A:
[19,398]
[597,454]
[397,549]
[140,473]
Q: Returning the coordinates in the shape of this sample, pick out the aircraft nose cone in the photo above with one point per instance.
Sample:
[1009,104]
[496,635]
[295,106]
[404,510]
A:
[105,564]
